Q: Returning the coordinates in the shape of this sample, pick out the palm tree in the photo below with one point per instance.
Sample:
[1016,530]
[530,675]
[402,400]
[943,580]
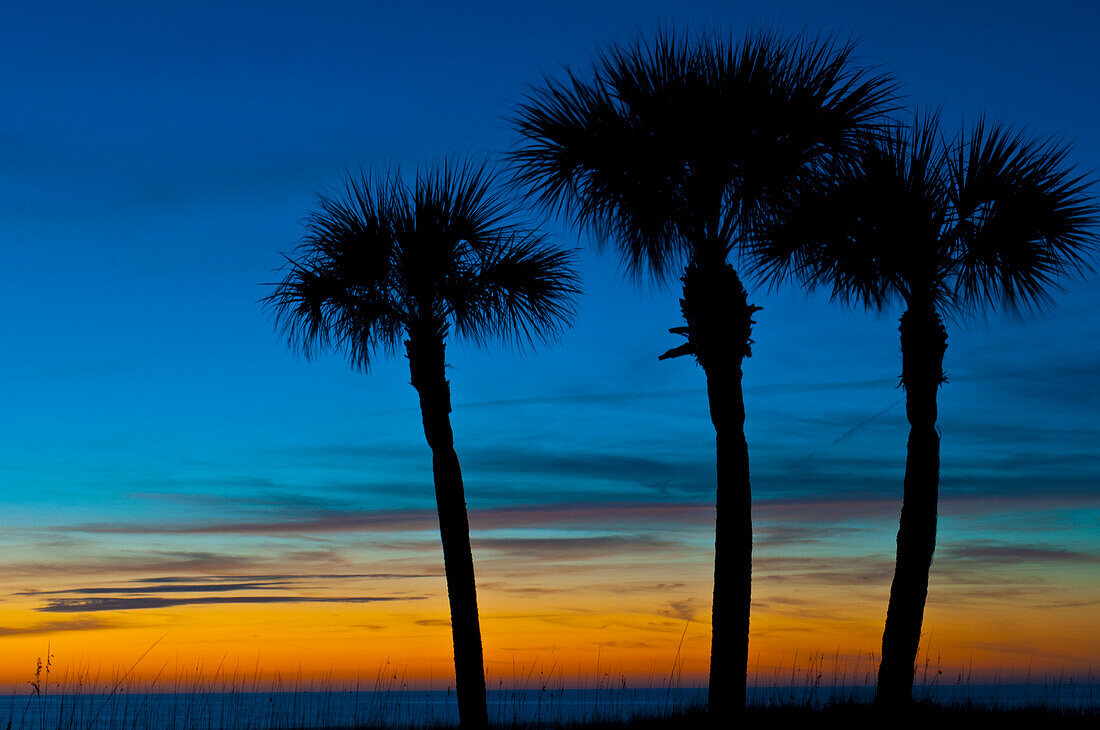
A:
[387,262]
[674,150]
[990,219]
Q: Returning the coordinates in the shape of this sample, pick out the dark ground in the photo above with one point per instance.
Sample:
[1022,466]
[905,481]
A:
[924,715]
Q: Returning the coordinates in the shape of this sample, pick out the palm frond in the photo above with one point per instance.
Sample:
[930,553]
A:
[1024,218]
[520,289]
[337,292]
[866,228]
[825,241]
[587,160]
[454,200]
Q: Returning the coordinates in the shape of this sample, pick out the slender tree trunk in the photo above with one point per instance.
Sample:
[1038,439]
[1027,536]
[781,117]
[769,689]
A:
[719,323]
[923,343]
[426,363]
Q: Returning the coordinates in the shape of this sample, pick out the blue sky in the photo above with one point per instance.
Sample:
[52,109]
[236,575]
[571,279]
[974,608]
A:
[156,159]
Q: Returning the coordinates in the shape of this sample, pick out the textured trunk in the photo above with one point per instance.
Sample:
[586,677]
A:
[719,323]
[426,362]
[923,343]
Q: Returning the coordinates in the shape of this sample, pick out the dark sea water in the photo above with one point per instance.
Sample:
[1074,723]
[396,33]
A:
[411,708]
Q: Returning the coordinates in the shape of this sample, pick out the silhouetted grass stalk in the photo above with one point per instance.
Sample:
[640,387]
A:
[523,697]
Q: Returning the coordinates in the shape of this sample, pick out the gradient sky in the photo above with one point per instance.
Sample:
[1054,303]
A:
[169,470]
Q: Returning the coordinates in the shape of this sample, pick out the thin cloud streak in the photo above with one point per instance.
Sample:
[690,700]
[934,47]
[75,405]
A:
[197,562]
[285,577]
[217,584]
[166,588]
[416,520]
[84,623]
[573,548]
[85,605]
[835,508]
[636,395]
[988,551]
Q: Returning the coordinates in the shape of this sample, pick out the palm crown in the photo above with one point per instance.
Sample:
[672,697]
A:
[383,258]
[684,140]
[990,217]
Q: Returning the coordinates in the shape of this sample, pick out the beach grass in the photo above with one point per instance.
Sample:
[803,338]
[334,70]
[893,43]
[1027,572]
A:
[809,694]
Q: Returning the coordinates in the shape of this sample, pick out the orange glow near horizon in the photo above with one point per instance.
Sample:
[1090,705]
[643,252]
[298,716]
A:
[568,630]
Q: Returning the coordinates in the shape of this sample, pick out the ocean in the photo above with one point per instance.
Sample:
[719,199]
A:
[410,708]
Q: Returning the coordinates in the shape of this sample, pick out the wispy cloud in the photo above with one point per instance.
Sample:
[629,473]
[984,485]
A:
[151,561]
[625,644]
[285,577]
[220,584]
[849,570]
[837,507]
[416,520]
[197,563]
[785,535]
[84,605]
[629,587]
[573,548]
[1000,553]
[84,623]
[165,588]
[644,395]
[680,610]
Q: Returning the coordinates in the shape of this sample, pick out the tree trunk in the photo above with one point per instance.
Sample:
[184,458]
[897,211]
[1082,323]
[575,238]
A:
[923,343]
[426,363]
[719,324]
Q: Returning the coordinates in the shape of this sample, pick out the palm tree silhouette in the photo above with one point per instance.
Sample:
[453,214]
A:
[674,150]
[990,219]
[387,262]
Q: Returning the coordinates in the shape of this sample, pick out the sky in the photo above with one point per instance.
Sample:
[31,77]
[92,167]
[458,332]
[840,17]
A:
[178,485]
